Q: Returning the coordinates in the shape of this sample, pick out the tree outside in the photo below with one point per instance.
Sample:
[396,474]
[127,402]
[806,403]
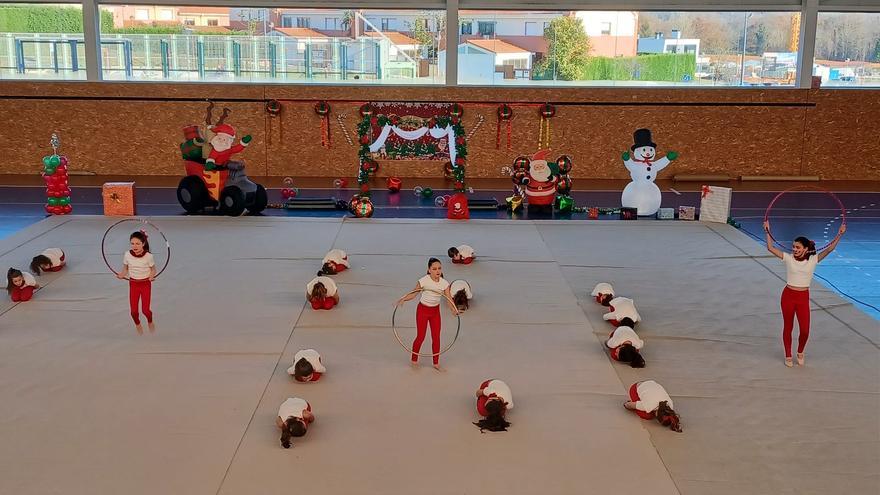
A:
[569,48]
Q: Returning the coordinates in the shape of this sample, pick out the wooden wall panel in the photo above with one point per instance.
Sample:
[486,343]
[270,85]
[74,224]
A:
[123,129]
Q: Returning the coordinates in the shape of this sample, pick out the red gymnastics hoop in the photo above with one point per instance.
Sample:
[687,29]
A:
[145,222]
[842,215]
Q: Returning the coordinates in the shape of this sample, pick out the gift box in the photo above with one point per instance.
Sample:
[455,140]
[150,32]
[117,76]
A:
[119,198]
[629,213]
[593,213]
[687,213]
[666,214]
[714,204]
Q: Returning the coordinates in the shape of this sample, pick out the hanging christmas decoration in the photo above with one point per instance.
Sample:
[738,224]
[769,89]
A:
[322,108]
[564,164]
[57,182]
[366,110]
[456,110]
[340,119]
[476,126]
[340,183]
[547,112]
[273,108]
[505,116]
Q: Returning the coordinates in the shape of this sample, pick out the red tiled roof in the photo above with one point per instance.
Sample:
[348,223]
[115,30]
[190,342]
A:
[497,46]
[396,37]
[203,10]
[300,33]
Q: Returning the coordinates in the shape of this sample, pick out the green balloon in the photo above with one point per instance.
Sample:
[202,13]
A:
[53,201]
[46,160]
[566,203]
[64,201]
[427,192]
[54,160]
[50,170]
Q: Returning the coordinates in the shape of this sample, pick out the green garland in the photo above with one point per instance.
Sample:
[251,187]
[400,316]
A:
[365,134]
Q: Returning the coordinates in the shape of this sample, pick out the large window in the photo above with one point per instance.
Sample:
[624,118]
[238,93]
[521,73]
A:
[848,49]
[265,45]
[629,48]
[41,42]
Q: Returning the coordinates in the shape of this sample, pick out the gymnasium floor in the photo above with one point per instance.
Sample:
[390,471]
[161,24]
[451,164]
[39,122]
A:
[91,407]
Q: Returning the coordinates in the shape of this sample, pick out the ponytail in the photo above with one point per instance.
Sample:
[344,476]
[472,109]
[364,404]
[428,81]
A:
[807,243]
[495,420]
[667,417]
[38,262]
[293,427]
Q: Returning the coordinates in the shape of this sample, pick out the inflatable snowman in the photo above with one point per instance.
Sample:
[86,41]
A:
[643,167]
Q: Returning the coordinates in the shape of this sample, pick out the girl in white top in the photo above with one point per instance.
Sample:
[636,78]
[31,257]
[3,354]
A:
[799,267]
[461,294]
[140,270]
[649,400]
[494,399]
[20,285]
[322,293]
[622,312]
[624,345]
[603,292]
[334,262]
[462,255]
[433,288]
[50,260]
[294,417]
[307,366]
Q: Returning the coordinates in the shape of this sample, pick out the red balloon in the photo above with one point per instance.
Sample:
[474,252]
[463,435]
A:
[66,209]
[64,161]
[49,209]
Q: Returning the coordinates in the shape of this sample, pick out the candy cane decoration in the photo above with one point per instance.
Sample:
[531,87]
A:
[341,120]
[480,119]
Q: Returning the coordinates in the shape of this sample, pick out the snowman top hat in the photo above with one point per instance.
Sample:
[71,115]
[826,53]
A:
[642,137]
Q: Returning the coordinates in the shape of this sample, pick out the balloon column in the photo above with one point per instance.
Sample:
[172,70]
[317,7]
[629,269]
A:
[57,185]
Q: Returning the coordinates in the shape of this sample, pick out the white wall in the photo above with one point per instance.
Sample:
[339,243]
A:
[623,23]
[474,67]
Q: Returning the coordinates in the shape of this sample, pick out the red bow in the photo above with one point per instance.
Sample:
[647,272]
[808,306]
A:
[144,233]
[706,191]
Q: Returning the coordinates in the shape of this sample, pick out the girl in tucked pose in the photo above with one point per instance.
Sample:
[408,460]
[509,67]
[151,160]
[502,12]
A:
[50,260]
[334,262]
[20,285]
[461,294]
[799,267]
[322,293]
[294,417]
[625,345]
[462,255]
[649,400]
[604,293]
[139,267]
[432,288]
[622,312]
[494,399]
[307,366]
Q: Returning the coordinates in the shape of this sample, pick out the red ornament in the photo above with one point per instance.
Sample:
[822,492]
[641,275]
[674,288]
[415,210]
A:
[365,187]
[548,111]
[459,161]
[273,107]
[564,185]
[455,120]
[366,139]
[564,163]
[394,184]
[459,185]
[459,140]
[521,163]
[374,120]
[456,110]
[366,110]
[322,108]
[505,112]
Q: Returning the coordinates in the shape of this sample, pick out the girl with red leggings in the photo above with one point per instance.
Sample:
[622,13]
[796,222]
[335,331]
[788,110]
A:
[321,293]
[139,268]
[20,285]
[799,267]
[432,287]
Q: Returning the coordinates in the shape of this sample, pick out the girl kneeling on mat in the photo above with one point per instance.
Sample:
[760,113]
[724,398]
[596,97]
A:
[294,417]
[462,255]
[334,262]
[20,285]
[307,366]
[433,288]
[494,399]
[50,260]
[799,267]
[140,269]
[321,292]
[649,400]
[604,293]
[623,312]
[461,294]
[624,345]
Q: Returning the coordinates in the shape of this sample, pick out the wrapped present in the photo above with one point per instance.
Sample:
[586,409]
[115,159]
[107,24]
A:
[666,214]
[627,213]
[119,198]
[593,213]
[714,204]
[687,213]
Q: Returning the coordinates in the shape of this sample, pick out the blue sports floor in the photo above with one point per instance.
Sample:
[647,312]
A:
[853,270]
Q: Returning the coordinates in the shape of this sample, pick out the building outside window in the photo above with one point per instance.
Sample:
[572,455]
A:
[331,23]
[141,15]
[467,27]
[213,22]
[486,28]
[302,22]
[166,15]
[387,23]
[606,28]
[189,22]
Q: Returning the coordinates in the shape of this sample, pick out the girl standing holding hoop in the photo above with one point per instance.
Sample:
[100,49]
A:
[140,269]
[799,267]
[433,288]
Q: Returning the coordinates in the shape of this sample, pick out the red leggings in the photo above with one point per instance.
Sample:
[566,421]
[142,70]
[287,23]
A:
[795,302]
[326,303]
[140,290]
[22,294]
[634,396]
[425,315]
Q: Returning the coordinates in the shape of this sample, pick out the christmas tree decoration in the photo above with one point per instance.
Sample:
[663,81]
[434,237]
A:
[563,186]
[361,207]
[427,192]
[322,108]
[564,164]
[57,181]
[547,112]
[393,184]
[505,116]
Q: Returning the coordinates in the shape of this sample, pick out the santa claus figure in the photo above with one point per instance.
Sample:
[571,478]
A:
[221,146]
[457,207]
[540,182]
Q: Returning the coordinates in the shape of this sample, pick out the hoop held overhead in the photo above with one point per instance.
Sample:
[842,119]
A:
[799,188]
